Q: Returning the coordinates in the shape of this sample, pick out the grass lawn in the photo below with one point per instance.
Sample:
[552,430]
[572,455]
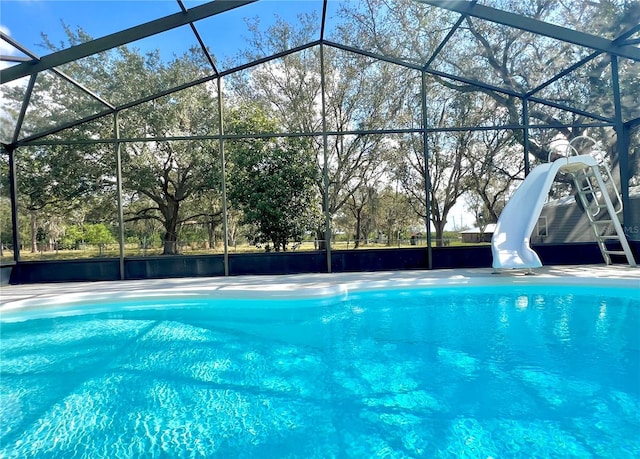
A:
[133,250]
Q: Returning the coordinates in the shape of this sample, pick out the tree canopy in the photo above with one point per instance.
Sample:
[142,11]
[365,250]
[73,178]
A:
[272,181]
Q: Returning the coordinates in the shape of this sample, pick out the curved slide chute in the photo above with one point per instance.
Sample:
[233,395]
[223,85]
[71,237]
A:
[510,241]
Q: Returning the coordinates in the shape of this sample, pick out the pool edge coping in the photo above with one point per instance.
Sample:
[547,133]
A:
[309,286]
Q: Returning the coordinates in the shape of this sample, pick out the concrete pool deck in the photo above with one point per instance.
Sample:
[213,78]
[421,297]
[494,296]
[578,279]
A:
[17,297]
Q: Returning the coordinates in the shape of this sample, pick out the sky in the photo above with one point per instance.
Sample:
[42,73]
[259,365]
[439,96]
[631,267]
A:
[26,20]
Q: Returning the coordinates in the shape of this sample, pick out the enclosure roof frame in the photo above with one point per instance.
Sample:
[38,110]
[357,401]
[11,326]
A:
[535,26]
[123,37]
[620,46]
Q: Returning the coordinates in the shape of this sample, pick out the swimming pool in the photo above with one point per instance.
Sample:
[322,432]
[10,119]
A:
[518,370]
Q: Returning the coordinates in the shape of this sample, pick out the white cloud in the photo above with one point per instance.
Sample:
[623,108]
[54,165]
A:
[6,48]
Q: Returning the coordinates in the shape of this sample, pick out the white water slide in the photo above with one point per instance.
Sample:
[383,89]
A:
[510,241]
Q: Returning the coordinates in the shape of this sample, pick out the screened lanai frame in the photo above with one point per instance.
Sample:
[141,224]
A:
[623,46]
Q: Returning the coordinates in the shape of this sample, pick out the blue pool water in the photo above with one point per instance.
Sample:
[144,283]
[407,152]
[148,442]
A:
[441,373]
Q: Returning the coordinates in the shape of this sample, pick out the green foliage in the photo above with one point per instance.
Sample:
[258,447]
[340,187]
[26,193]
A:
[41,235]
[73,235]
[160,178]
[93,234]
[4,174]
[98,233]
[6,236]
[57,176]
[164,179]
[272,181]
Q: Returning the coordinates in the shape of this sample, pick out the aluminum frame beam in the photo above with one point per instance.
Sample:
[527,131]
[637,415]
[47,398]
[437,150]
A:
[6,58]
[621,143]
[166,92]
[427,176]
[536,26]
[566,108]
[23,108]
[323,22]
[35,58]
[200,41]
[417,67]
[446,39]
[620,40]
[264,135]
[19,47]
[120,38]
[564,72]
[118,156]
[326,183]
[188,18]
[421,68]
[13,194]
[223,170]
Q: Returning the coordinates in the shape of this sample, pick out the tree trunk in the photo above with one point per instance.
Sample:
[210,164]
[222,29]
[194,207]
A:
[320,235]
[34,232]
[211,233]
[232,229]
[439,226]
[170,237]
[276,244]
[358,228]
[171,228]
[169,244]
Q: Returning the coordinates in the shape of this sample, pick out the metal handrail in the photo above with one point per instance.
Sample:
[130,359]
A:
[570,150]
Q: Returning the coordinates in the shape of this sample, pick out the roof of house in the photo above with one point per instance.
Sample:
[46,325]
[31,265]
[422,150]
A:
[490,228]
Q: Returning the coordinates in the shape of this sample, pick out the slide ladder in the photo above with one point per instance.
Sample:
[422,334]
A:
[596,202]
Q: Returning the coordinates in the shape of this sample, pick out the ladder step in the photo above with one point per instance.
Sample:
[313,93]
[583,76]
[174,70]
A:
[608,236]
[615,252]
[602,222]
[594,205]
